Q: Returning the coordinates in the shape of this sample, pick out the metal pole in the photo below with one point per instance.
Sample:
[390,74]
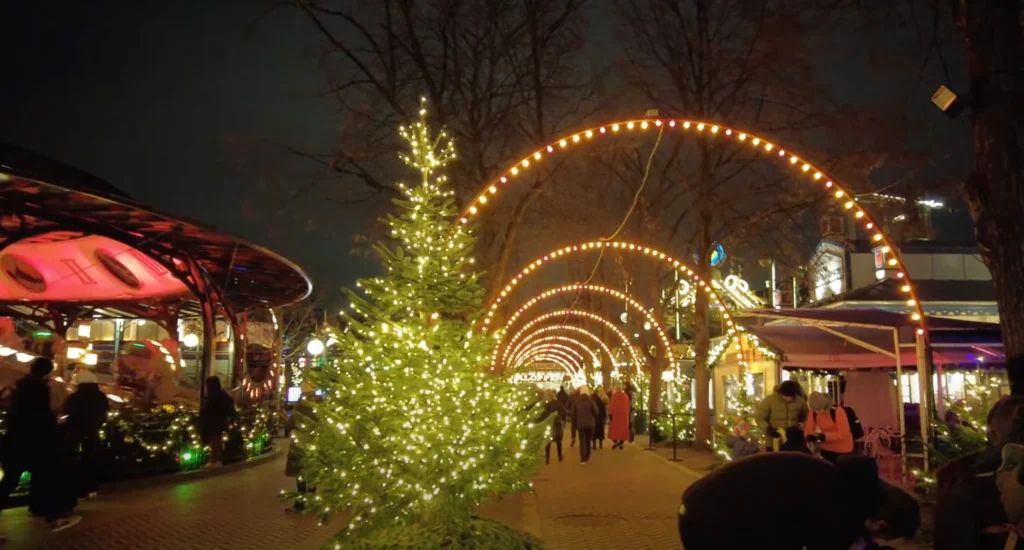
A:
[899,402]
[675,437]
[796,303]
[924,380]
[772,289]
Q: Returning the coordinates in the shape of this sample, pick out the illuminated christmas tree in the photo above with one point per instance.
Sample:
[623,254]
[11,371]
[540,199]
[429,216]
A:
[412,434]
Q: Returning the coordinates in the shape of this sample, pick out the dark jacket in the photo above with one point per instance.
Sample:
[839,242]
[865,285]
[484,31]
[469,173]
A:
[584,412]
[31,425]
[556,412]
[969,506]
[86,410]
[301,414]
[563,397]
[215,414]
[771,490]
[601,418]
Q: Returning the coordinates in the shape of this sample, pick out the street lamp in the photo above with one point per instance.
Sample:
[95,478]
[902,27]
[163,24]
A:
[191,340]
[315,347]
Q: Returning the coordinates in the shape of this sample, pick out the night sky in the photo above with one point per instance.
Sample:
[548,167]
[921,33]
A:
[180,104]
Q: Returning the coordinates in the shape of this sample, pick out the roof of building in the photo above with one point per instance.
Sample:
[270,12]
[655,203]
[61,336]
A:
[928,290]
[69,238]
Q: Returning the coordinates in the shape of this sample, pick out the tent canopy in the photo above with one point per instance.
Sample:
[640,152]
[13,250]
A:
[864,338]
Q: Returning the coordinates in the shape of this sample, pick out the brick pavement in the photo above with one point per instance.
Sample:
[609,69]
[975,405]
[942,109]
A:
[235,510]
[620,500]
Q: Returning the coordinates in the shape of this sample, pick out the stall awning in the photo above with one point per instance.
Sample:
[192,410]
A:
[863,338]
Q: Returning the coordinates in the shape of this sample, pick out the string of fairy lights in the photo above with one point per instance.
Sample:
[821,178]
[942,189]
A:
[510,347]
[652,320]
[890,254]
[571,328]
[564,341]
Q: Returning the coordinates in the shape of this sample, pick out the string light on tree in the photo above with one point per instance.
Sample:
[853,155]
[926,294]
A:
[411,434]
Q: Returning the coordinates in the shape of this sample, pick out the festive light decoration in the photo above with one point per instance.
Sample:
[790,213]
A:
[560,360]
[537,377]
[595,359]
[190,340]
[572,328]
[554,349]
[411,434]
[815,175]
[315,347]
[651,319]
[686,272]
[510,348]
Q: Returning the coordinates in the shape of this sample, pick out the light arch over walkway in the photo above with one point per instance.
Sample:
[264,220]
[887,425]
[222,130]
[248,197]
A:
[578,363]
[575,313]
[712,130]
[623,246]
[579,330]
[563,341]
[570,370]
[651,318]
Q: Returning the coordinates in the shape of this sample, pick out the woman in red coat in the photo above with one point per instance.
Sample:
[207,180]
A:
[618,417]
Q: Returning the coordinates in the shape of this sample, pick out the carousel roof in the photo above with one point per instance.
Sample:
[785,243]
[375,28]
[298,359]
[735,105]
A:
[69,240]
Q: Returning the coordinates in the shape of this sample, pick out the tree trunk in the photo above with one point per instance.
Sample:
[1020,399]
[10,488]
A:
[701,331]
[995,192]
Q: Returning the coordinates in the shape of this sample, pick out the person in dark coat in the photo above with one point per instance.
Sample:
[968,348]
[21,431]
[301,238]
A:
[554,410]
[570,408]
[302,416]
[601,400]
[584,416]
[860,505]
[214,416]
[32,444]
[969,514]
[563,397]
[86,411]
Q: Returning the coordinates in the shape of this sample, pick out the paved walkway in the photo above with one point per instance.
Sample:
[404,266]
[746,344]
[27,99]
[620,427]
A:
[626,499]
[621,499]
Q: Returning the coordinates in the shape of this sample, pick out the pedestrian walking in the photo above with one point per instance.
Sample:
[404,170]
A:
[571,408]
[554,410]
[86,411]
[781,416]
[563,397]
[618,416]
[303,416]
[584,413]
[828,427]
[630,390]
[214,416]
[601,400]
[31,444]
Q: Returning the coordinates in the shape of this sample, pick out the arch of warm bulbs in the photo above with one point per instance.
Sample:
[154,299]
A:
[556,349]
[562,341]
[651,318]
[574,359]
[579,330]
[559,360]
[711,130]
[565,313]
[623,246]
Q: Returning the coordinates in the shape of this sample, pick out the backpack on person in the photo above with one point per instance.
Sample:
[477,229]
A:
[856,429]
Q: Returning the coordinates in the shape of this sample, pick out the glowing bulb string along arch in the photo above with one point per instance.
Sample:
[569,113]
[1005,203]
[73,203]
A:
[662,337]
[562,348]
[683,269]
[890,255]
[558,360]
[577,364]
[561,341]
[573,328]
[578,313]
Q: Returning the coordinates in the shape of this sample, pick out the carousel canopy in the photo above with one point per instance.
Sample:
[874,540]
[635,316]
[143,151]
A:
[74,244]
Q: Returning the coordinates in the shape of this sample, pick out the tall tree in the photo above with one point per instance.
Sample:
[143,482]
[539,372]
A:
[411,435]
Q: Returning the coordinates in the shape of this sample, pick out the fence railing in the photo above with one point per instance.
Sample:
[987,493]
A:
[651,431]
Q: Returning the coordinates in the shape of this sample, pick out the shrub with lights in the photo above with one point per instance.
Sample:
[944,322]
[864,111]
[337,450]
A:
[412,434]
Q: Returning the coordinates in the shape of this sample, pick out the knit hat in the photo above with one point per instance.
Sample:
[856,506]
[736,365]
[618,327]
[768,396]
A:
[85,377]
[819,402]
